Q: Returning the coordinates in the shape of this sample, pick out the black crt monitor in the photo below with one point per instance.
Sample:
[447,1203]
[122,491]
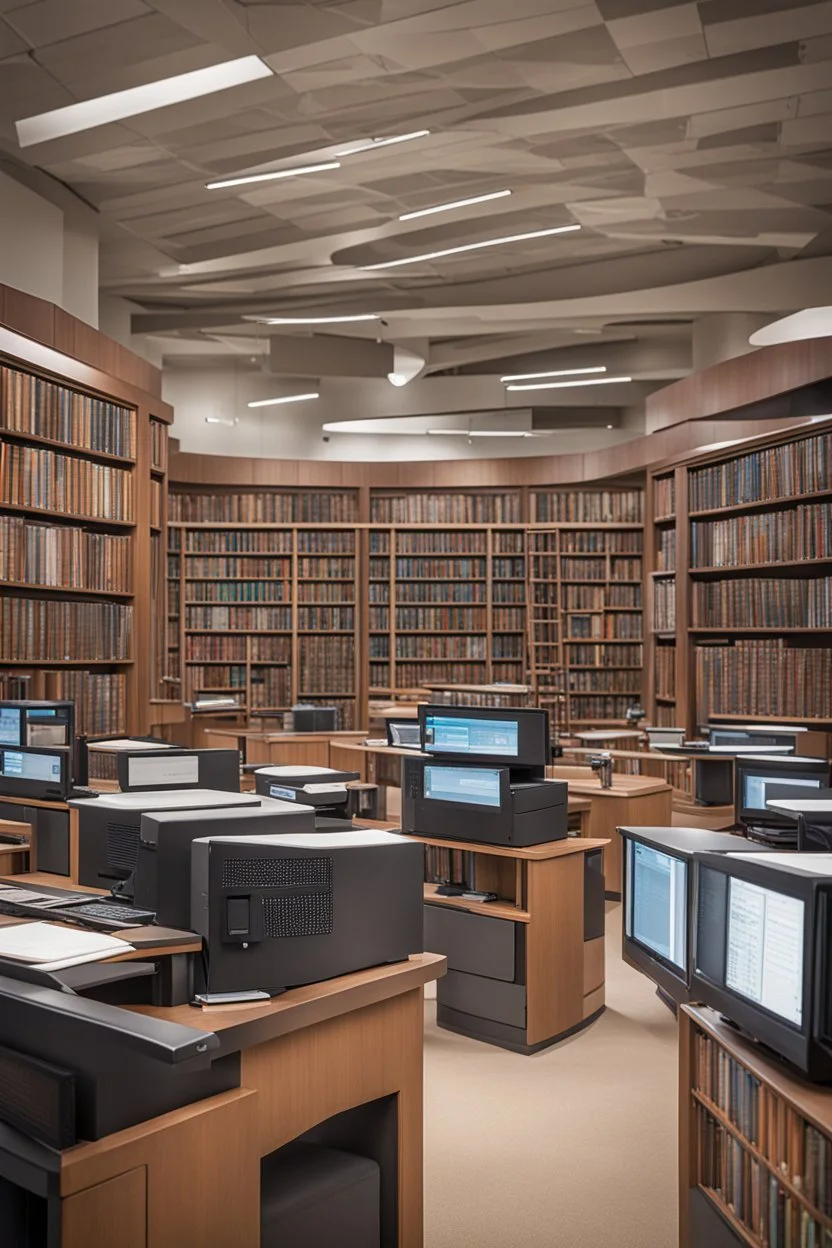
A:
[42,774]
[144,771]
[404,733]
[506,737]
[761,779]
[762,950]
[38,724]
[657,900]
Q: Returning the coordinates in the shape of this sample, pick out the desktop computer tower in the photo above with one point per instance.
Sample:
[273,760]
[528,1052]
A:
[279,912]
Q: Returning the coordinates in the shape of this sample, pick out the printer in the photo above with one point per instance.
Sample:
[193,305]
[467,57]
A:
[482,778]
[280,911]
[321,787]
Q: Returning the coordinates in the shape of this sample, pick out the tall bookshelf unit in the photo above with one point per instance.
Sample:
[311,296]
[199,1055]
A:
[81,506]
[755,1144]
[752,591]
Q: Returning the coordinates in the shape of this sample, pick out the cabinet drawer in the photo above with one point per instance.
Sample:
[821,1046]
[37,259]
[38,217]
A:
[483,998]
[472,942]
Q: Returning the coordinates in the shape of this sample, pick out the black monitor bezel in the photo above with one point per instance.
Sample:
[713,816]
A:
[24,705]
[672,979]
[790,1041]
[746,763]
[42,790]
[531,752]
[467,807]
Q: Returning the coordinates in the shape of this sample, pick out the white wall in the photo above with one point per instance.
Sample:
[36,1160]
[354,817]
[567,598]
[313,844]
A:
[294,432]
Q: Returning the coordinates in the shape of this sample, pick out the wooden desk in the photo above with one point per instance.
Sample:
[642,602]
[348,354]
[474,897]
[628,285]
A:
[632,800]
[55,832]
[267,748]
[375,764]
[191,1178]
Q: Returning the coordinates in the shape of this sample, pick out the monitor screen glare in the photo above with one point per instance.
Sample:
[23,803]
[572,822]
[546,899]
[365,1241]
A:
[764,956]
[497,738]
[476,786]
[20,765]
[658,916]
[10,725]
[757,790]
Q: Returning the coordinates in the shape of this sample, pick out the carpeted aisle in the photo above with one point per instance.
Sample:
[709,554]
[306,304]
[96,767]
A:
[573,1148]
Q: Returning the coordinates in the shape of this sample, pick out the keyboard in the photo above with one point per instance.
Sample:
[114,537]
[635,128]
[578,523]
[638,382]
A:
[106,915]
[67,907]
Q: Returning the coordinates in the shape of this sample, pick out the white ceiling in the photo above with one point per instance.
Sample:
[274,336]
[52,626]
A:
[691,141]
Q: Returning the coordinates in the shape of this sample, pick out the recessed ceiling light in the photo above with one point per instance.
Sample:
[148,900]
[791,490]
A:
[88,114]
[369,145]
[313,320]
[563,372]
[297,172]
[454,251]
[454,203]
[565,385]
[287,398]
[216,420]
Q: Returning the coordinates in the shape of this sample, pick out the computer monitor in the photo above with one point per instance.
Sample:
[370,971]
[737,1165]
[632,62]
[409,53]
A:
[39,774]
[38,724]
[109,826]
[657,900]
[404,733]
[468,786]
[510,737]
[142,771]
[754,737]
[761,779]
[761,950]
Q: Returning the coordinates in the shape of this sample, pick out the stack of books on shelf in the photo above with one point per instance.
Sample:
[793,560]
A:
[40,479]
[446,508]
[588,506]
[44,409]
[266,507]
[764,603]
[33,629]
[802,466]
[764,677]
[664,497]
[802,533]
[63,557]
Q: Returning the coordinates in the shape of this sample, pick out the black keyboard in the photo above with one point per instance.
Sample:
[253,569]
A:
[107,915]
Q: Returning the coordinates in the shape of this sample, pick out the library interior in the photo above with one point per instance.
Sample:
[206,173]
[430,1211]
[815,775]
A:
[415,623]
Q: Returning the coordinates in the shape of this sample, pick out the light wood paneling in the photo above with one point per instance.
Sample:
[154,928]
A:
[555,947]
[594,964]
[113,1211]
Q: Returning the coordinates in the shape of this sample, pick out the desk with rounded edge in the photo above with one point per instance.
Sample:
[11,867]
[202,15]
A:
[266,748]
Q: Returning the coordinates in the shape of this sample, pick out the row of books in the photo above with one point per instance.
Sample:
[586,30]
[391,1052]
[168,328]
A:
[412,619]
[600,655]
[586,542]
[59,556]
[664,667]
[327,663]
[605,682]
[263,649]
[446,508]
[271,688]
[764,677]
[329,542]
[594,707]
[231,542]
[508,618]
[238,591]
[511,672]
[664,606]
[763,602]
[266,507]
[34,629]
[450,866]
[666,550]
[583,569]
[788,537]
[625,569]
[624,596]
[46,410]
[588,507]
[803,466]
[505,591]
[159,445]
[236,619]
[511,569]
[461,542]
[412,675]
[156,502]
[100,698]
[237,567]
[510,646]
[341,592]
[32,476]
[323,568]
[580,626]
[664,497]
[219,677]
[439,569]
[325,618]
[450,648]
[508,543]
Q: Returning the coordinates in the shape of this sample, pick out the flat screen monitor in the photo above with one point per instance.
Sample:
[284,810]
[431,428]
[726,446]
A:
[514,738]
[404,733]
[38,724]
[760,780]
[471,786]
[760,952]
[30,772]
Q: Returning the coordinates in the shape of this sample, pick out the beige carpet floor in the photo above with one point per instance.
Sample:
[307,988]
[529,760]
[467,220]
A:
[572,1148]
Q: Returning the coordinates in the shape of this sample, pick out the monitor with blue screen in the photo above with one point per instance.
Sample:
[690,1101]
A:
[474,786]
[517,738]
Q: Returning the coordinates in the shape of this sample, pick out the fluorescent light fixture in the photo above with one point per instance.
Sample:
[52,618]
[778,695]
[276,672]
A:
[481,433]
[136,100]
[313,320]
[297,172]
[565,385]
[563,372]
[216,420]
[369,145]
[810,323]
[454,203]
[455,251]
[287,398]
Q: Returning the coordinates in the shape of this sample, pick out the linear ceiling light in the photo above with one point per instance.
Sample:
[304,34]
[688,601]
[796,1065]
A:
[288,398]
[298,171]
[563,372]
[369,145]
[454,203]
[482,433]
[313,320]
[136,100]
[454,251]
[565,385]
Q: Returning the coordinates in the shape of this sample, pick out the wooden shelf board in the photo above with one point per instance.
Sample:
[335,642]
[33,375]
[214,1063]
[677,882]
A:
[238,632]
[77,521]
[795,564]
[66,662]
[767,504]
[739,630]
[494,909]
[16,435]
[66,589]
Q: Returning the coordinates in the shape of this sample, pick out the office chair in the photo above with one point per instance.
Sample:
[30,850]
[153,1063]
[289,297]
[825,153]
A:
[814,833]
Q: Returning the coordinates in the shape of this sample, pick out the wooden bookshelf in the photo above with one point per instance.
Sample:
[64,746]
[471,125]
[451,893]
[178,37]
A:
[755,1143]
[82,521]
[752,630]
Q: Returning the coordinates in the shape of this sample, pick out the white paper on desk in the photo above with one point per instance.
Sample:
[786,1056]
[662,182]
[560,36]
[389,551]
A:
[50,947]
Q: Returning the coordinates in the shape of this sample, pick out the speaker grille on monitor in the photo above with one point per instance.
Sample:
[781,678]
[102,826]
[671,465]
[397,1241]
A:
[307,914]
[122,846]
[37,1098]
[276,872]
